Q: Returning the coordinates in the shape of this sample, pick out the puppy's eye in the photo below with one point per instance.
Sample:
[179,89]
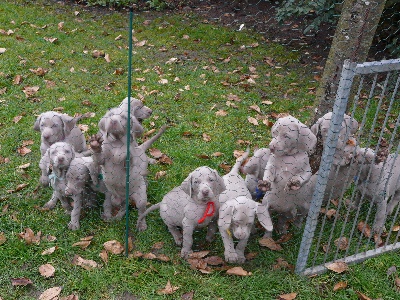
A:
[196,182]
[123,117]
[67,151]
[211,179]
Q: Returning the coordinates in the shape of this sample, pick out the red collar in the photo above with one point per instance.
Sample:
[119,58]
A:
[208,213]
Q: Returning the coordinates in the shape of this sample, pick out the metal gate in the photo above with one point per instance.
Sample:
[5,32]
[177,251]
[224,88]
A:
[336,230]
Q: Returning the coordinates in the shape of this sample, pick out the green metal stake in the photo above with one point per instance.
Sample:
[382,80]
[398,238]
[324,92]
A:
[128,136]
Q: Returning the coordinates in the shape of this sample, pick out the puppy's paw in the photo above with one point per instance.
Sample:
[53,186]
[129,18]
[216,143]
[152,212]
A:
[49,205]
[231,257]
[73,225]
[264,185]
[106,217]
[141,226]
[185,253]
[95,142]
[293,184]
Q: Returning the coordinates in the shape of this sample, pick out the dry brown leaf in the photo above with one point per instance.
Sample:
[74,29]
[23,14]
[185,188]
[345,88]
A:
[266,102]
[87,264]
[87,238]
[163,81]
[252,121]
[282,264]
[330,213]
[49,238]
[29,236]
[20,187]
[199,254]
[21,281]
[98,53]
[188,296]
[17,80]
[82,244]
[50,250]
[340,286]
[285,238]
[47,270]
[70,297]
[396,228]
[24,166]
[104,256]
[238,271]
[157,246]
[364,228]
[168,290]
[206,137]
[342,243]
[160,174]
[3,238]
[51,293]
[24,151]
[114,247]
[362,296]
[214,260]
[2,50]
[17,119]
[397,283]
[29,91]
[337,267]
[141,43]
[149,256]
[107,58]
[156,153]
[290,296]
[256,108]
[163,257]
[225,167]
[39,71]
[221,113]
[51,39]
[217,154]
[270,243]
[232,97]
[164,159]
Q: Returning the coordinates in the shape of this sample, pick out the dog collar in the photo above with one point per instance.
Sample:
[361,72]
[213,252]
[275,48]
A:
[53,178]
[259,194]
[210,209]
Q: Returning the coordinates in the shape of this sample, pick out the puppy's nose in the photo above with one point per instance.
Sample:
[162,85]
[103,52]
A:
[271,148]
[205,193]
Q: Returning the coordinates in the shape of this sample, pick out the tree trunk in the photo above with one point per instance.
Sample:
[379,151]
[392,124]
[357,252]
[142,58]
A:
[353,38]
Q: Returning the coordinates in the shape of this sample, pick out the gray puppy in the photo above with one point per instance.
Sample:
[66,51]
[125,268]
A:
[288,171]
[83,180]
[110,151]
[193,204]
[55,127]
[58,158]
[237,214]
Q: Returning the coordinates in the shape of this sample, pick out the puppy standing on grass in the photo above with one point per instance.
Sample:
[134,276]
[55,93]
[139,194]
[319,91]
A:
[193,204]
[237,214]
[288,170]
[59,156]
[110,151]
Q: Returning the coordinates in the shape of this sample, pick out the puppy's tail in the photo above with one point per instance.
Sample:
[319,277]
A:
[149,210]
[147,144]
[236,166]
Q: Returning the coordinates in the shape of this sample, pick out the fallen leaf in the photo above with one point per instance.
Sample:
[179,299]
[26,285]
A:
[238,153]
[3,238]
[340,286]
[82,244]
[60,25]
[270,243]
[21,281]
[252,121]
[24,151]
[29,91]
[285,238]
[233,97]
[98,53]
[199,254]
[168,290]
[256,108]
[203,156]
[188,296]
[39,71]
[164,159]
[29,236]
[17,80]
[206,137]
[47,270]
[217,154]
[214,260]
[290,296]
[157,246]
[70,297]
[20,187]
[160,174]
[266,102]
[342,243]
[225,167]
[163,81]
[51,293]
[364,229]
[27,143]
[238,271]
[337,267]
[221,113]
[330,213]
[50,39]
[396,228]
[50,250]
[397,283]
[24,166]
[107,58]
[156,153]
[150,256]
[104,256]
[282,264]
[163,257]
[141,43]
[362,296]
[87,264]
[2,50]
[17,119]
[114,247]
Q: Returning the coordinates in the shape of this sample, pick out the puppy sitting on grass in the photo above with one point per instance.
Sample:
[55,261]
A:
[193,204]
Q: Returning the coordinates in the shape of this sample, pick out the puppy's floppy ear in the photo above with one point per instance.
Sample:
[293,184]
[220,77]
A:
[36,125]
[69,123]
[136,127]
[316,127]
[351,123]
[186,185]
[102,126]
[220,184]
[225,216]
[252,165]
[264,217]
[307,139]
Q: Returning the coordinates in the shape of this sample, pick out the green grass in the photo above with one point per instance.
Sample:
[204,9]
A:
[188,105]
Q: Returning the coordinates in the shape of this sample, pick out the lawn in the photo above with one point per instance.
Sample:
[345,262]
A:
[217,89]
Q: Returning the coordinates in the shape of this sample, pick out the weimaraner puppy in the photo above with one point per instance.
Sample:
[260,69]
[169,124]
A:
[288,170]
[254,170]
[83,180]
[55,127]
[58,157]
[237,214]
[110,151]
[379,183]
[138,109]
[193,204]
